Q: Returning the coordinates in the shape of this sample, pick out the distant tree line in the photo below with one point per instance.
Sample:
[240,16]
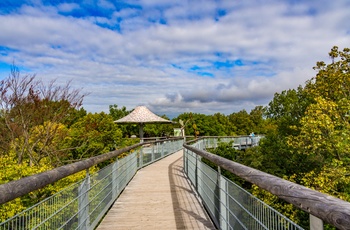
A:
[218,124]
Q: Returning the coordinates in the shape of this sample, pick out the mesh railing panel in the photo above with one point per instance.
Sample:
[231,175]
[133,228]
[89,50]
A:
[230,206]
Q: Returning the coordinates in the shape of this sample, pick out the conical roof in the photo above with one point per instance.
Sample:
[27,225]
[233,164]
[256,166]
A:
[141,114]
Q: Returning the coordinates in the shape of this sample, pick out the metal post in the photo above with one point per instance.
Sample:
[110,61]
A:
[158,150]
[184,160]
[223,200]
[141,157]
[196,173]
[83,203]
[315,223]
[115,180]
[152,155]
[186,153]
[162,151]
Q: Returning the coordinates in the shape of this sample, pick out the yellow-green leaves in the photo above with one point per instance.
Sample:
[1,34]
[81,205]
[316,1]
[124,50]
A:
[332,179]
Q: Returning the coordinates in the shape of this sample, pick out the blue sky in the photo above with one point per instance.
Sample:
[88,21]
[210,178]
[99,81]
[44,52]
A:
[201,56]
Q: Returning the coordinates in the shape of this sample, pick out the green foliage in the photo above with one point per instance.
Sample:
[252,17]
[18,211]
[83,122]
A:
[242,121]
[311,142]
[257,116]
[42,127]
[307,136]
[28,109]
[277,157]
[296,215]
[74,116]
[124,142]
[92,135]
[287,108]
[10,170]
[323,133]
[159,130]
[324,130]
[127,129]
[332,81]
[117,113]
[332,179]
[225,150]
[221,125]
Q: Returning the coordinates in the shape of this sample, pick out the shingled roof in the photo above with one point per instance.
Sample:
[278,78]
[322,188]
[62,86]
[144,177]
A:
[141,114]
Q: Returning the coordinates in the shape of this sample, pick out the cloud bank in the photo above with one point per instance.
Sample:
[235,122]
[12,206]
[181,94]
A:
[173,56]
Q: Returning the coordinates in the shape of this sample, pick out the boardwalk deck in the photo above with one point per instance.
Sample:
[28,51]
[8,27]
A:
[158,197]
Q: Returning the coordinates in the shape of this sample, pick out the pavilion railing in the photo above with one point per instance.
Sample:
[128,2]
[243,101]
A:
[83,204]
[233,208]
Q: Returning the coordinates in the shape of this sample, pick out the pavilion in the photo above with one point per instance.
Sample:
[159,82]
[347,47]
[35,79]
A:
[142,115]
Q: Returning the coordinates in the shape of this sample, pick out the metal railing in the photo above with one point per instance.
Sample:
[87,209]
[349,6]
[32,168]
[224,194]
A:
[230,206]
[83,204]
[233,208]
[238,142]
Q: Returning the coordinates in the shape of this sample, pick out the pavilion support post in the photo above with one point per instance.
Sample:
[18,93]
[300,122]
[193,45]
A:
[141,131]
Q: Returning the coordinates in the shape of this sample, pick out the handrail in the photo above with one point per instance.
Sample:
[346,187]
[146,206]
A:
[25,185]
[256,137]
[328,208]
[17,188]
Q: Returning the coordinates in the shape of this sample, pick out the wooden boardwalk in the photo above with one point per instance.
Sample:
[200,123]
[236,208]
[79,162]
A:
[158,197]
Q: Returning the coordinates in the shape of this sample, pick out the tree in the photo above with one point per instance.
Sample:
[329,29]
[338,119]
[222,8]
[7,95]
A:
[92,135]
[27,103]
[158,129]
[242,121]
[332,81]
[287,108]
[325,128]
[222,125]
[47,141]
[127,129]
[117,113]
[186,122]
[261,124]
[10,170]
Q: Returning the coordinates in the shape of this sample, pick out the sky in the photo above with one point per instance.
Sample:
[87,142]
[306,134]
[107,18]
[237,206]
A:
[201,56]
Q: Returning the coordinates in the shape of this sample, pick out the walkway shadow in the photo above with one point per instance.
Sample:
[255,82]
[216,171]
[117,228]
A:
[187,214]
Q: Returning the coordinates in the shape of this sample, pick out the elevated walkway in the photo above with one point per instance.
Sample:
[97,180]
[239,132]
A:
[158,197]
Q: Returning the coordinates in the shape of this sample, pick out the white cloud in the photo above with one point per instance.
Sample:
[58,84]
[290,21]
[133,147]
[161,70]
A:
[67,7]
[105,4]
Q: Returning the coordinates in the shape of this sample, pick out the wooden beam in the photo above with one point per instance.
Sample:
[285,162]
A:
[17,188]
